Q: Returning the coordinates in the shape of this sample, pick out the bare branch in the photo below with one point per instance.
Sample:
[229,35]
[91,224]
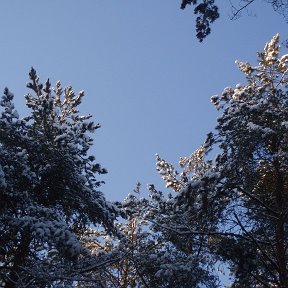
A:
[238,10]
[256,242]
[258,200]
[207,233]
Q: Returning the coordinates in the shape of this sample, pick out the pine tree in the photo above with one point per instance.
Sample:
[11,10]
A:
[48,189]
[153,253]
[252,166]
[231,210]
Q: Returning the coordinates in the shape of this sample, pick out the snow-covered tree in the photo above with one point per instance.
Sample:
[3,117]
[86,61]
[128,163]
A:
[239,202]
[153,253]
[48,189]
[252,134]
[57,228]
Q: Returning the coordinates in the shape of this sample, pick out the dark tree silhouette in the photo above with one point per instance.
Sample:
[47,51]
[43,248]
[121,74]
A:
[207,12]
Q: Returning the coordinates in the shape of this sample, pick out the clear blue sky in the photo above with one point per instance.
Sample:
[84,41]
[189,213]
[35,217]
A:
[147,79]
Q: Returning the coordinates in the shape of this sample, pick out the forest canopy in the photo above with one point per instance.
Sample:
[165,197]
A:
[59,230]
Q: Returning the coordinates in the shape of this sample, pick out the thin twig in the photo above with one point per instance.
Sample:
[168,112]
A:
[238,10]
[257,243]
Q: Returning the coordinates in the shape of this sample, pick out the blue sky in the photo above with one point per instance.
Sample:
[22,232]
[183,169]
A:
[147,79]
